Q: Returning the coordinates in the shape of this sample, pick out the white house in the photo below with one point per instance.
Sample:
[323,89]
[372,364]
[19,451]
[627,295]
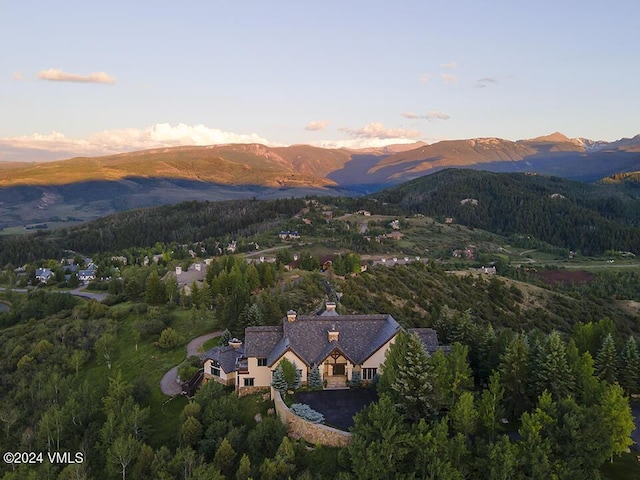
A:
[43,274]
[340,345]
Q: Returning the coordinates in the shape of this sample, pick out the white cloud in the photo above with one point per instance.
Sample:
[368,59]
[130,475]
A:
[450,65]
[317,125]
[430,115]
[55,75]
[362,142]
[17,76]
[449,77]
[377,130]
[125,140]
[425,77]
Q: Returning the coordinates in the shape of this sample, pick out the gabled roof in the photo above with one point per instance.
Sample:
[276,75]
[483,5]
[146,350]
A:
[260,341]
[227,357]
[359,336]
[429,338]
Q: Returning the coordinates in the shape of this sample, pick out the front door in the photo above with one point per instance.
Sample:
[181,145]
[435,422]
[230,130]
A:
[339,368]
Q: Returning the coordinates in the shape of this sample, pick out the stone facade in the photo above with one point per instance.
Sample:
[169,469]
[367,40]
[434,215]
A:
[311,432]
[242,391]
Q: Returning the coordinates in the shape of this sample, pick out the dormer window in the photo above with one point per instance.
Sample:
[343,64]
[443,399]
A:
[333,334]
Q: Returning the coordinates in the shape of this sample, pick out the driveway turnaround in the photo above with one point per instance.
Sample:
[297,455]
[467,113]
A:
[338,406]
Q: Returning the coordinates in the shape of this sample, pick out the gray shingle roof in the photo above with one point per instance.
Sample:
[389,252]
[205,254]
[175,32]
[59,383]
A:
[260,341]
[359,337]
[225,356]
[429,338]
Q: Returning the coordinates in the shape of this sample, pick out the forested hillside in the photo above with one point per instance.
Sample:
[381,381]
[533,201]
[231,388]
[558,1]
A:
[182,223]
[568,214]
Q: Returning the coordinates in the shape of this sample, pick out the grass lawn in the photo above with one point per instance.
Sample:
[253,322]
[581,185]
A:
[209,344]
[624,467]
[148,362]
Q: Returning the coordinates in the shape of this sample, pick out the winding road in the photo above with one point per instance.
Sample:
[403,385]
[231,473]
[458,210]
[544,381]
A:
[168,384]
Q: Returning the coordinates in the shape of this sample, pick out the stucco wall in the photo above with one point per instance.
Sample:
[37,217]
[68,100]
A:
[375,360]
[311,432]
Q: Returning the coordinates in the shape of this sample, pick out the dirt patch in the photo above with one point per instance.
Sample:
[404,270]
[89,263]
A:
[565,277]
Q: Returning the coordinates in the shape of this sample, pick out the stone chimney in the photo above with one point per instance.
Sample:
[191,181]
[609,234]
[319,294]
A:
[292,315]
[178,270]
[198,267]
[330,306]
[333,334]
[235,343]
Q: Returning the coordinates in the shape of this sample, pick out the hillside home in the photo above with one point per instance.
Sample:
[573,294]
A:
[185,278]
[43,274]
[88,274]
[222,363]
[289,235]
[340,345]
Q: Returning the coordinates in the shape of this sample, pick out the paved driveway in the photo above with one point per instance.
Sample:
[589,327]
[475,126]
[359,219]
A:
[338,406]
[168,383]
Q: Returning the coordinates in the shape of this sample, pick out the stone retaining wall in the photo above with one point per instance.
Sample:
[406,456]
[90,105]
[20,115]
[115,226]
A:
[311,432]
[242,391]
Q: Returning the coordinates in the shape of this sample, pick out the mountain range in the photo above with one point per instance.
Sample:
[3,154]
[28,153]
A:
[87,187]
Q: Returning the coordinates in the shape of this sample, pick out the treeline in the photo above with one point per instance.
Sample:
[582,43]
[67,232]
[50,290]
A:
[187,222]
[560,212]
[547,412]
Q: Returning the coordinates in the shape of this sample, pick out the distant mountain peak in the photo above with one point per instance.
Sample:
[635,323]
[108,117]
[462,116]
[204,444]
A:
[554,137]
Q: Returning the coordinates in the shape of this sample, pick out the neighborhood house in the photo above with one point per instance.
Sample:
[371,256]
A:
[340,345]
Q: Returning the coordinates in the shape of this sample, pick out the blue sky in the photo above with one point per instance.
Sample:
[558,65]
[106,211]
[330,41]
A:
[99,77]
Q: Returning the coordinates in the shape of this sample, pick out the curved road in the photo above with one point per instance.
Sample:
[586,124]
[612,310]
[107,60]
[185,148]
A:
[168,384]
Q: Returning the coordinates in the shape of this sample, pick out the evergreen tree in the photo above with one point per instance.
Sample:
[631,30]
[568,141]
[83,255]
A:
[412,388]
[314,380]
[441,380]
[503,459]
[433,451]
[393,358]
[617,420]
[279,382]
[490,410]
[550,369]
[225,338]
[629,369]
[244,469]
[514,370]
[224,458]
[463,415]
[460,371]
[155,293]
[607,360]
[380,445]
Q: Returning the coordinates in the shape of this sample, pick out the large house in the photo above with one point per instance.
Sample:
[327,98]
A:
[340,345]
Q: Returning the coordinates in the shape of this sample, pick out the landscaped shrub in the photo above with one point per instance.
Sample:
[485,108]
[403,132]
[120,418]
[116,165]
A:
[189,368]
[314,380]
[305,411]
[278,381]
[356,380]
[168,338]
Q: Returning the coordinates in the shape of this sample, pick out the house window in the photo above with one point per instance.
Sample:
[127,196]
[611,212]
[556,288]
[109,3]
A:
[262,362]
[248,382]
[215,371]
[369,373]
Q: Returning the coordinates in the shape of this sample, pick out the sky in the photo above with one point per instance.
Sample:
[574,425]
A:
[99,77]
